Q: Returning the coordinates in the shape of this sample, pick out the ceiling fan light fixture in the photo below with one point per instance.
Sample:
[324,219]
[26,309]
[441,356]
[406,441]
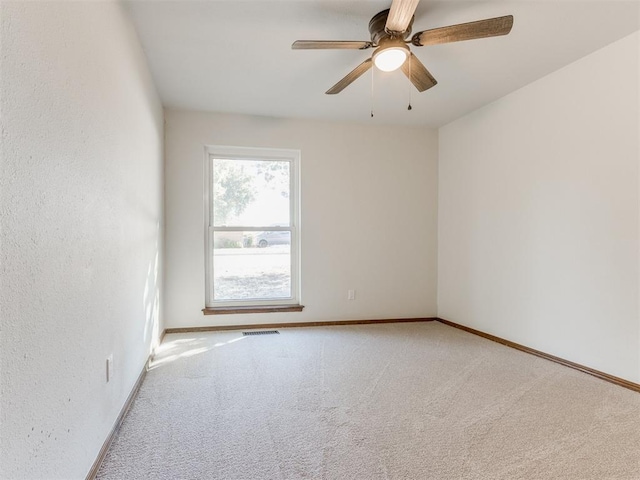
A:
[390,58]
[391,31]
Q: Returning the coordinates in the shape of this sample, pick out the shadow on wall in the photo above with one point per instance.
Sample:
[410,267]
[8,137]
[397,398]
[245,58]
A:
[151,299]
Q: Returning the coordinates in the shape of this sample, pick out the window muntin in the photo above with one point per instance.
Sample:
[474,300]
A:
[252,227]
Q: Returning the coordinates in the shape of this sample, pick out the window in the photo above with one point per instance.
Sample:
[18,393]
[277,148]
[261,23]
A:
[252,227]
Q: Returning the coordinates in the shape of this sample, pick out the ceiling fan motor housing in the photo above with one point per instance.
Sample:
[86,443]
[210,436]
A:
[378,32]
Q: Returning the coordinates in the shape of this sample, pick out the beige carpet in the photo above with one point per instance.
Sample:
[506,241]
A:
[393,401]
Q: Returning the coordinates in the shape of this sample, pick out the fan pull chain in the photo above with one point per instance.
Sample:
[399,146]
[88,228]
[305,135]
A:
[372,69]
[410,84]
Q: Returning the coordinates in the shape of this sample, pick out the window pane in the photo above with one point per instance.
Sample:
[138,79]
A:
[251,265]
[250,193]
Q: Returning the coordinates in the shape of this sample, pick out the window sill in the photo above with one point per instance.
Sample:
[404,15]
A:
[251,309]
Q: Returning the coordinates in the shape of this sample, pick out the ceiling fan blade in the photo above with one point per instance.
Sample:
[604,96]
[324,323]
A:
[323,44]
[400,15]
[492,27]
[350,77]
[418,74]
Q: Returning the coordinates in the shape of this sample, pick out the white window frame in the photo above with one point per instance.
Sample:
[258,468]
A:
[252,153]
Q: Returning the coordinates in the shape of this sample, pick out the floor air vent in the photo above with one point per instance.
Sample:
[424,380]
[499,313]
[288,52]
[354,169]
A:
[263,332]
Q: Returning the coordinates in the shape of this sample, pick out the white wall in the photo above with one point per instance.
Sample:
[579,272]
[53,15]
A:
[539,214]
[368,216]
[80,219]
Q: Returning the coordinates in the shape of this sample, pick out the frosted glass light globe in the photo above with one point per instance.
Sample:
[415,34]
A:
[390,59]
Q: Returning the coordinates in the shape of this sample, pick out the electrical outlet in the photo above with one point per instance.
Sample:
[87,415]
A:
[109,365]
[351,294]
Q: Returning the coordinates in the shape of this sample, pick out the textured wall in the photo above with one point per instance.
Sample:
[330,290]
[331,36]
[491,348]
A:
[80,219]
[538,214]
[369,205]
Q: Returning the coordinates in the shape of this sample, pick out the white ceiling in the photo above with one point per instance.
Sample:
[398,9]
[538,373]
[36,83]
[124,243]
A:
[235,55]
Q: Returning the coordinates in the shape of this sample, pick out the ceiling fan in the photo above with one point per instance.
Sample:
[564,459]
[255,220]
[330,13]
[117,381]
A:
[390,30]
